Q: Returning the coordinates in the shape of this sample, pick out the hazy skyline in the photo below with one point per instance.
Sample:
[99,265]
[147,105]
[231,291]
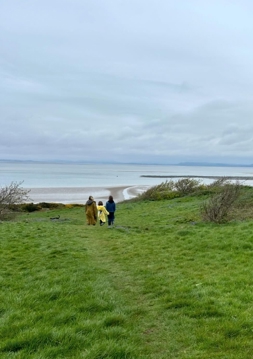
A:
[126,81]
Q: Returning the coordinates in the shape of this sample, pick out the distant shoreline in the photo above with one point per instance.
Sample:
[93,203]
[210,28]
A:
[244,178]
[80,194]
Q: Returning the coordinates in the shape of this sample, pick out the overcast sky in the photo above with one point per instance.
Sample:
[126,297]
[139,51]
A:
[154,81]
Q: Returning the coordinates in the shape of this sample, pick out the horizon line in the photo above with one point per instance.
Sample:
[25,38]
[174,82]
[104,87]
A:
[187,163]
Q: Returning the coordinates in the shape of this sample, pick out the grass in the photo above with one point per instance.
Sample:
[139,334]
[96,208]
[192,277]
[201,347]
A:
[161,284]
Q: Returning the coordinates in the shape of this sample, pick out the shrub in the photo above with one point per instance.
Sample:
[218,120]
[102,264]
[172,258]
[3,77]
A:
[11,195]
[217,208]
[171,189]
[220,182]
[186,185]
[73,205]
[49,205]
[164,190]
[30,207]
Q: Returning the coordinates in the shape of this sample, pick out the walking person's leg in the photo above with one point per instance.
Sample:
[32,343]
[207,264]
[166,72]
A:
[113,216]
[109,219]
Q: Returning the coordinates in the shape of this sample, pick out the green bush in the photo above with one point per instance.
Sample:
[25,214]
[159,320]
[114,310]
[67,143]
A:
[164,190]
[186,186]
[50,205]
[172,189]
[30,207]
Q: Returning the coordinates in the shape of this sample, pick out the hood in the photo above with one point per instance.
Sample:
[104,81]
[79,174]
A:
[89,202]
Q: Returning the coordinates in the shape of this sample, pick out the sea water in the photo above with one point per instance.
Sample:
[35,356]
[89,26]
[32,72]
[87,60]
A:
[53,175]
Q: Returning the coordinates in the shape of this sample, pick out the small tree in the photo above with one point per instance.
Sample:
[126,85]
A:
[217,208]
[11,195]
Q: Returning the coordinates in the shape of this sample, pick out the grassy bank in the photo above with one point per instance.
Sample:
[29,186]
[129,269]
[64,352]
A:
[161,284]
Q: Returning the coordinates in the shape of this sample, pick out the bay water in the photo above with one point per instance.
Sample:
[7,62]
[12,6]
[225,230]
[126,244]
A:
[40,174]
[66,178]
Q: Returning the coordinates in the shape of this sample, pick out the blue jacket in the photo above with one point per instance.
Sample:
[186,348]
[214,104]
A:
[110,206]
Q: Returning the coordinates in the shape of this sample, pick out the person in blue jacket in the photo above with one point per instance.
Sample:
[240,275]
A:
[111,208]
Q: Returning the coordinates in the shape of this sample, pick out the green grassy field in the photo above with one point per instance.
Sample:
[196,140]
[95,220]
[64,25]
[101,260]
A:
[160,284]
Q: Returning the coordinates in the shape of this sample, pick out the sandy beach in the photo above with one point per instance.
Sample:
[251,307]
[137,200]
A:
[80,194]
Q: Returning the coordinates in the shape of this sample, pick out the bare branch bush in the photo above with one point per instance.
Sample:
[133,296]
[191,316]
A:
[218,183]
[222,203]
[11,195]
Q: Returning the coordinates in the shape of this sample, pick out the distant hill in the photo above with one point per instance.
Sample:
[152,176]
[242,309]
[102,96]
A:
[204,164]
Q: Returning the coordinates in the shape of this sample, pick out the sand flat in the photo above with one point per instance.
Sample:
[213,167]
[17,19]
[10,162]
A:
[80,194]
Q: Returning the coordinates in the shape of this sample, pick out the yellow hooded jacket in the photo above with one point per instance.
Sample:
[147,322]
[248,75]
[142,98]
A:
[101,213]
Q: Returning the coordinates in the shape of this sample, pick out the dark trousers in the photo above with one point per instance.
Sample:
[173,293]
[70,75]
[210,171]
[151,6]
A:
[110,218]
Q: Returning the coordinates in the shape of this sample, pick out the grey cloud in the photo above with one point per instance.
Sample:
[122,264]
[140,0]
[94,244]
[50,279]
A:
[165,80]
[238,136]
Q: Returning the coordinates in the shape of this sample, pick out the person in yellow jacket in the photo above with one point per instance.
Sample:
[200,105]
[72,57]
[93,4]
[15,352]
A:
[91,211]
[101,213]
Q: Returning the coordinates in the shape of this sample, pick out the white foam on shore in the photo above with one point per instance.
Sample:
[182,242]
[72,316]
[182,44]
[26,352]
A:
[134,191]
[126,193]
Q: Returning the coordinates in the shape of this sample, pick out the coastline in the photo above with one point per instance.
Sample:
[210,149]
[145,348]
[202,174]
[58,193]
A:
[79,195]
